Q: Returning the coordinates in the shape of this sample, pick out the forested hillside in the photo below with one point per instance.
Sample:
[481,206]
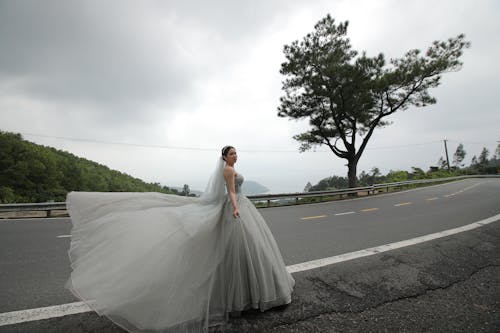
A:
[35,173]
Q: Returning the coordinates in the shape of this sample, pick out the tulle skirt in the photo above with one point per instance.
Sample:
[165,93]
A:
[154,262]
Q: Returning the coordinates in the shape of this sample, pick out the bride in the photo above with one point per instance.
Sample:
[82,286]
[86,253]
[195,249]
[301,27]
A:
[154,262]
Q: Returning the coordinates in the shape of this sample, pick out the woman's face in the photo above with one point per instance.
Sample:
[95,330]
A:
[231,156]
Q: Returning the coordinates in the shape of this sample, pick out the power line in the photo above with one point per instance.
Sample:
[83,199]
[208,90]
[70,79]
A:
[470,143]
[406,145]
[116,143]
[211,149]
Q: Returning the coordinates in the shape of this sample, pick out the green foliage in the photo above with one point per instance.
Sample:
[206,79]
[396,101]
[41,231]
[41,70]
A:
[483,157]
[417,173]
[330,183]
[346,95]
[483,165]
[459,156]
[397,176]
[393,176]
[34,173]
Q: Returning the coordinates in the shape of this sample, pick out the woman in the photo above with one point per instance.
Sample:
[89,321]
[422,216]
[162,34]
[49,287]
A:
[154,262]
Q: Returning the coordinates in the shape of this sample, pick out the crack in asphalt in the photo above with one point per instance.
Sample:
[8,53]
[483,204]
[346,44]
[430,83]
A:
[432,289]
[376,306]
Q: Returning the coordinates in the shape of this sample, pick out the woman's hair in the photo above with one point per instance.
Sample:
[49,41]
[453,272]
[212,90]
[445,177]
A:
[226,150]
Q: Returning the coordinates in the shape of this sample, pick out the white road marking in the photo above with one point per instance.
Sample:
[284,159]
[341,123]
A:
[63,236]
[20,219]
[16,317]
[469,187]
[369,209]
[430,199]
[402,204]
[387,247]
[462,190]
[346,213]
[21,316]
[312,217]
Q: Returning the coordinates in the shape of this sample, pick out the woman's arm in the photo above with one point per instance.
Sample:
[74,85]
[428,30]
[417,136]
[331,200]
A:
[229,174]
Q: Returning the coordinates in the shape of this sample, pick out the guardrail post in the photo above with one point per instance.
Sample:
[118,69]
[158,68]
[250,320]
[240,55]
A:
[268,203]
[49,213]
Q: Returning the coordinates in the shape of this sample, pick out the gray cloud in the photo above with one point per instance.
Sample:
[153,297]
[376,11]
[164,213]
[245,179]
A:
[89,53]
[126,70]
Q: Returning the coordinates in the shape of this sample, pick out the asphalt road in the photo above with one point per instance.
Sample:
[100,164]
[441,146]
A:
[34,264]
[381,219]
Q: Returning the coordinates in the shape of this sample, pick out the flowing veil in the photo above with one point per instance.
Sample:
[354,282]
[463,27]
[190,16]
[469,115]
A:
[215,189]
[151,262]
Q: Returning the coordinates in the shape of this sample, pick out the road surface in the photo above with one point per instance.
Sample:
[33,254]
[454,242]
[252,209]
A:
[34,264]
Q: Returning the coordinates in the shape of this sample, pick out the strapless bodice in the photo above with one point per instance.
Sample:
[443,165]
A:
[238,181]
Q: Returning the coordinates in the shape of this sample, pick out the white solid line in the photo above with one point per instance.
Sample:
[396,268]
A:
[16,317]
[63,236]
[19,219]
[346,213]
[386,247]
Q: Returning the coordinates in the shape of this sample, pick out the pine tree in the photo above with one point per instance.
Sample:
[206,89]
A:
[345,94]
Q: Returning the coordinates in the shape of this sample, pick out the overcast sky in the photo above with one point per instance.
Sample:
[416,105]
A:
[177,80]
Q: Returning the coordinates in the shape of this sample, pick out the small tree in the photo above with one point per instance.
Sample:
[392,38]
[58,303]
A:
[308,187]
[417,173]
[346,96]
[473,162]
[375,172]
[459,156]
[185,190]
[442,163]
[483,157]
[364,178]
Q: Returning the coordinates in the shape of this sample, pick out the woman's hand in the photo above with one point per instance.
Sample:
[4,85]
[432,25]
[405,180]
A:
[236,213]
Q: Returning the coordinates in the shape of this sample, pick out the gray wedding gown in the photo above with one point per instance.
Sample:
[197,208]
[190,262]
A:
[154,262]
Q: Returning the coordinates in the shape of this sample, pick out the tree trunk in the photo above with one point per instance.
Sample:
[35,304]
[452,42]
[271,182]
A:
[351,173]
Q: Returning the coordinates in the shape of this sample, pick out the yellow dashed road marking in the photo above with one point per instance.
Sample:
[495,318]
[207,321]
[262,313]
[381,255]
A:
[369,209]
[312,217]
[402,204]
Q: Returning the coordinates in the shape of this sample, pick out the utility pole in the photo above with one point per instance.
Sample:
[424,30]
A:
[446,151]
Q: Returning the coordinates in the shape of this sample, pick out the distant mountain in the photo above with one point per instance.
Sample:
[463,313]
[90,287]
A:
[251,187]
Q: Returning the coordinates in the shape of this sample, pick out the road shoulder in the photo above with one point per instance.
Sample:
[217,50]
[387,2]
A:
[450,284]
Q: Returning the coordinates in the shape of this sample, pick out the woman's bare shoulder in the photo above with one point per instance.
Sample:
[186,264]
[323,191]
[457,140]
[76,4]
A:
[229,170]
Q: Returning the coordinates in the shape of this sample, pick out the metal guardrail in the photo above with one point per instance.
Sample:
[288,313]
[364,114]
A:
[44,206]
[369,190]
